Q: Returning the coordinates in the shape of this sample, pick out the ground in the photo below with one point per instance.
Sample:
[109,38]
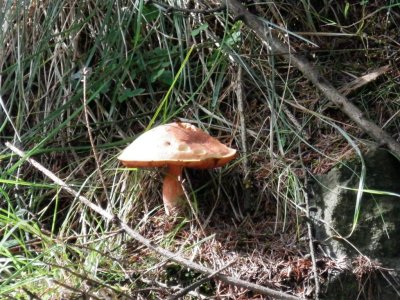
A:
[150,64]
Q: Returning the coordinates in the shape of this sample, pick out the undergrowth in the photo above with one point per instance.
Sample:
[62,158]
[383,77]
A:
[149,65]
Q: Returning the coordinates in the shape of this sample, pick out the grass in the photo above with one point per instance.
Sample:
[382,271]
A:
[149,66]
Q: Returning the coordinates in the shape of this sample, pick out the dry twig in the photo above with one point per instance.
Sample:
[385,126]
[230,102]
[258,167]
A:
[196,284]
[311,240]
[363,80]
[144,241]
[85,74]
[242,120]
[84,295]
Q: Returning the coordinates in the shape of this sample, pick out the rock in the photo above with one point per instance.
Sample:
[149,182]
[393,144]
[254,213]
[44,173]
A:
[377,234]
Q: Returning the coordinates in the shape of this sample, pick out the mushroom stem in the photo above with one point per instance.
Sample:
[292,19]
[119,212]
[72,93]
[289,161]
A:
[173,195]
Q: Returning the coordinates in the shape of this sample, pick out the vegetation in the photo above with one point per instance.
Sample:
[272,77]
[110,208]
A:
[79,80]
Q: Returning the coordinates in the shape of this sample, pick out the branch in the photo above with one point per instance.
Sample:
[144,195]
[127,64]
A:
[325,87]
[311,237]
[198,283]
[144,241]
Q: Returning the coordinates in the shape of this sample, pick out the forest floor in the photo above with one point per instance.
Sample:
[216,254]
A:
[152,63]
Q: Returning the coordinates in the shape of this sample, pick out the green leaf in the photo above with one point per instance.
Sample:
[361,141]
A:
[128,93]
[199,29]
[156,75]
[150,13]
[167,77]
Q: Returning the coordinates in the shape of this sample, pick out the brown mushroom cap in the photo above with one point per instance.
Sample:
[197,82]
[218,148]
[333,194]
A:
[176,144]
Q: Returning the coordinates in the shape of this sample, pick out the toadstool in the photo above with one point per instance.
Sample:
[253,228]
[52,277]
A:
[176,146]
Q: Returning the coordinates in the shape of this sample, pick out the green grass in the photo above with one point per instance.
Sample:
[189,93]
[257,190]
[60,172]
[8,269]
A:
[148,67]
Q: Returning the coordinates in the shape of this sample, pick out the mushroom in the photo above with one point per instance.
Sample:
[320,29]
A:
[175,146]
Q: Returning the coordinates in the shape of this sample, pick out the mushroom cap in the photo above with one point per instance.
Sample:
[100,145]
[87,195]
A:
[176,144]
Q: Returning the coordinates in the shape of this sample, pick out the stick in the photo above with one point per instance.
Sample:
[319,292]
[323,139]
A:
[363,80]
[325,87]
[85,73]
[242,120]
[144,241]
[239,97]
[311,239]
[85,295]
[198,283]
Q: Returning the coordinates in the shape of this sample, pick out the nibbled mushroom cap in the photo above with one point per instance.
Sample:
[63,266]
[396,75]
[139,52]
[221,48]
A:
[180,144]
